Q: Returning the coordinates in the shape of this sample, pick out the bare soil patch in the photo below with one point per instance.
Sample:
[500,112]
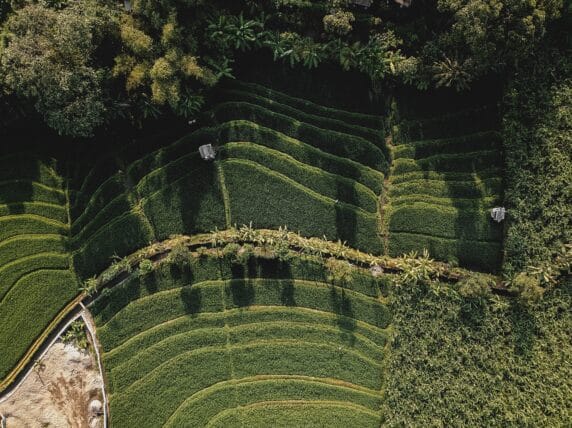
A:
[59,392]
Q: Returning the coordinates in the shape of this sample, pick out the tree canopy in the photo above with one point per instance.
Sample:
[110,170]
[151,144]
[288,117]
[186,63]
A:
[81,63]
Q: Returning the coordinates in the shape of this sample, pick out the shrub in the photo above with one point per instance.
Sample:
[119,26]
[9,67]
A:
[41,209]
[244,254]
[475,286]
[145,267]
[528,288]
[180,255]
[230,251]
[537,148]
[75,335]
[339,271]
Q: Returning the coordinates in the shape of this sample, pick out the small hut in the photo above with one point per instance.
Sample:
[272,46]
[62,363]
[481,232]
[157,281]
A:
[207,152]
[403,3]
[498,214]
[128,6]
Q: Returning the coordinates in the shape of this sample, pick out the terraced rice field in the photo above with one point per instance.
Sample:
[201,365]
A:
[446,176]
[217,344]
[283,161]
[36,276]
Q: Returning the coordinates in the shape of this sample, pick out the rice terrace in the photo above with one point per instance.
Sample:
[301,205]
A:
[285,213]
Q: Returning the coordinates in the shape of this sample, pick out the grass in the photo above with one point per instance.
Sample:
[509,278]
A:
[14,272]
[36,280]
[452,162]
[245,131]
[212,401]
[269,200]
[445,178]
[298,413]
[26,245]
[18,224]
[29,307]
[172,191]
[215,328]
[25,191]
[324,183]
[444,222]
[359,119]
[123,235]
[477,255]
[336,143]
[40,209]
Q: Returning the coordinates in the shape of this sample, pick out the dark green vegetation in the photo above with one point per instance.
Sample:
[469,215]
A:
[273,170]
[36,276]
[478,363]
[538,146]
[446,176]
[199,343]
[80,65]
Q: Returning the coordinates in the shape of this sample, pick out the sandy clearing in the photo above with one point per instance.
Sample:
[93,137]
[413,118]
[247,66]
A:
[58,392]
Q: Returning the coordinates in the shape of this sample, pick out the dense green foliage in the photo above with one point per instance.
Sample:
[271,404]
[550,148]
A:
[36,276]
[478,363]
[538,144]
[51,60]
[83,63]
[215,335]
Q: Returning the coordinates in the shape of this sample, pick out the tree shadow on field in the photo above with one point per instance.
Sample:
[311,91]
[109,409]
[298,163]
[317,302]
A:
[242,292]
[342,307]
[192,299]
[182,273]
[181,197]
[525,330]
[13,193]
[346,224]
[149,282]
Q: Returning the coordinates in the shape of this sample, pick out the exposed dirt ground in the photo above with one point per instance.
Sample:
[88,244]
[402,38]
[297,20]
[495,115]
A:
[59,392]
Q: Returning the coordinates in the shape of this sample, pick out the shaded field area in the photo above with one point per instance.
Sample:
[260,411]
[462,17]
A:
[36,276]
[215,343]
[445,178]
[282,161]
